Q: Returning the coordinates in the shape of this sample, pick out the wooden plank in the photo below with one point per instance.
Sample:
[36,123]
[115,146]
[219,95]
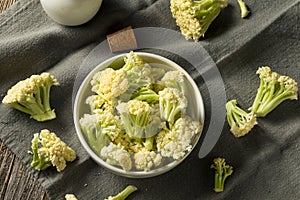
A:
[15,180]
[4,4]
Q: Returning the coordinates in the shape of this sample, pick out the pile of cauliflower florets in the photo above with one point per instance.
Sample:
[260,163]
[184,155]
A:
[138,115]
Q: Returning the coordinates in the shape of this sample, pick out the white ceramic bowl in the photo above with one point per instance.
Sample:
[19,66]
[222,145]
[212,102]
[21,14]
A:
[195,110]
[71,12]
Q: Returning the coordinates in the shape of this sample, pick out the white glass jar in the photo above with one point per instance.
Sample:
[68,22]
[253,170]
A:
[71,12]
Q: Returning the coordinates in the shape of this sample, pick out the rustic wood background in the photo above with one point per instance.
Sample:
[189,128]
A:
[15,180]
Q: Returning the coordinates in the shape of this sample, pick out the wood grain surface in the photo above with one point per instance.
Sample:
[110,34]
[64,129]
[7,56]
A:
[16,183]
[4,4]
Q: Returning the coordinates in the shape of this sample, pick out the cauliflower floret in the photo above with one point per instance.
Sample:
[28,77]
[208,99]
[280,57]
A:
[32,96]
[116,155]
[273,90]
[195,17]
[52,151]
[239,120]
[99,105]
[174,79]
[145,159]
[172,104]
[70,197]
[110,83]
[176,142]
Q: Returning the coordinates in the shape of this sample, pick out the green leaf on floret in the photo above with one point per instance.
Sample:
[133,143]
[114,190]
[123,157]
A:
[132,60]
[273,90]
[195,17]
[100,129]
[32,96]
[239,120]
[145,94]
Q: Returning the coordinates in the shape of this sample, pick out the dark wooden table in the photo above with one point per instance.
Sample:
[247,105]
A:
[15,180]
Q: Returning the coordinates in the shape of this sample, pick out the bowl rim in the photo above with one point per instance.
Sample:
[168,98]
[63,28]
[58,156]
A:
[134,174]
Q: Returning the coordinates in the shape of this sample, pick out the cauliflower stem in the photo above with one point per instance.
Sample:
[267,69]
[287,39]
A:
[123,194]
[221,173]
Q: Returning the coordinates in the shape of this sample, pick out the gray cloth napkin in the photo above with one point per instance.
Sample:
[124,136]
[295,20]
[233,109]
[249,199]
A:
[266,162]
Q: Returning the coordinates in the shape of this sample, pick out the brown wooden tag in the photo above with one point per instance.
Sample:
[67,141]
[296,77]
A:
[122,40]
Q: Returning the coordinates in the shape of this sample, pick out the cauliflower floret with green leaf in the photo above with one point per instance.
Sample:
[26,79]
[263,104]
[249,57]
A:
[172,104]
[100,129]
[239,120]
[145,159]
[49,150]
[116,155]
[195,17]
[273,90]
[176,142]
[138,73]
[32,96]
[110,83]
[139,122]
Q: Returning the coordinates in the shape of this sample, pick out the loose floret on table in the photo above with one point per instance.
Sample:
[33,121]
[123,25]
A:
[100,129]
[172,104]
[116,155]
[145,159]
[123,194]
[194,17]
[273,90]
[221,173]
[110,83]
[32,96]
[239,120]
[49,150]
[70,197]
[243,8]
[176,142]
[174,79]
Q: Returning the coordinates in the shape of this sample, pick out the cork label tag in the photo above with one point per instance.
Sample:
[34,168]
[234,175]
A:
[122,40]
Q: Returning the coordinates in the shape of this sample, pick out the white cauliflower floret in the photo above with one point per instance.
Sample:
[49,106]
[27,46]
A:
[32,96]
[70,197]
[110,83]
[52,151]
[145,159]
[174,79]
[116,155]
[176,142]
[99,105]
